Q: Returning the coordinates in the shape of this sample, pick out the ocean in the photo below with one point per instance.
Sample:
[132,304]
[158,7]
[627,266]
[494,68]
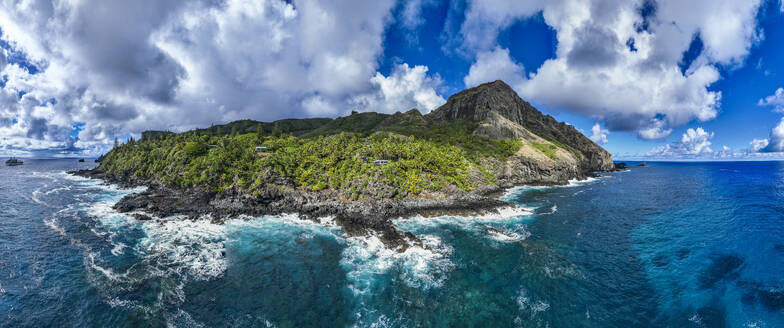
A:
[666,245]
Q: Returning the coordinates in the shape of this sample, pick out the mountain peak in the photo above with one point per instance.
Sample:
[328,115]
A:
[485,102]
[478,102]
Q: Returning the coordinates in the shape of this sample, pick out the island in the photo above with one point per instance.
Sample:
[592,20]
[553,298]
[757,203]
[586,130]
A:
[363,170]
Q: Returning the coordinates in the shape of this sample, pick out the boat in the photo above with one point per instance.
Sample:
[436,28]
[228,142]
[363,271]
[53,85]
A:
[13,161]
[81,160]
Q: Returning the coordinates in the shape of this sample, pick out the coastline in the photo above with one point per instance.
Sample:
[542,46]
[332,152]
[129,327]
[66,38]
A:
[356,218]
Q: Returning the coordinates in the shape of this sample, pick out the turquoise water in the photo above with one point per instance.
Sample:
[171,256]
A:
[671,244]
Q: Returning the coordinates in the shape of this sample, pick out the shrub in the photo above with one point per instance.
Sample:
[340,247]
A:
[195,149]
[420,159]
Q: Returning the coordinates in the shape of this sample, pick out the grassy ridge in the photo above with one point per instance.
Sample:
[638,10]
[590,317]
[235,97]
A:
[421,158]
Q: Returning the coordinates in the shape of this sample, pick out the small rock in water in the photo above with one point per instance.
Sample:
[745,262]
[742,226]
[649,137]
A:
[141,217]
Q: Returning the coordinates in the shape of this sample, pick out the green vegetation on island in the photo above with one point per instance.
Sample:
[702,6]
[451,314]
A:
[483,139]
[337,155]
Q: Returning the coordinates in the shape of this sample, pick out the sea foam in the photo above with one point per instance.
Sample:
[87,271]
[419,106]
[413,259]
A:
[514,192]
[365,258]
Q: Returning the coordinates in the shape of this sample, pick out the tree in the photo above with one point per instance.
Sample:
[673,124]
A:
[233,131]
[194,149]
[259,132]
[116,142]
[276,130]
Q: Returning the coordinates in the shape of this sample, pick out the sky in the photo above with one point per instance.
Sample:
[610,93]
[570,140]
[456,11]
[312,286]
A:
[645,79]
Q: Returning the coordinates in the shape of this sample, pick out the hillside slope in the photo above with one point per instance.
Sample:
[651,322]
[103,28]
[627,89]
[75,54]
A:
[364,168]
[504,114]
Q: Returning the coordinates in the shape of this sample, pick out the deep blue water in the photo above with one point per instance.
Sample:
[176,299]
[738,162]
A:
[668,245]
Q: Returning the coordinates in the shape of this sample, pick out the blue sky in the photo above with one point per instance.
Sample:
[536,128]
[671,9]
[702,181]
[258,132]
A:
[646,79]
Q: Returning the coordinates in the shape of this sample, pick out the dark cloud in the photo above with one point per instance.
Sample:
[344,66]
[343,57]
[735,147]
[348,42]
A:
[37,128]
[3,59]
[595,47]
[114,113]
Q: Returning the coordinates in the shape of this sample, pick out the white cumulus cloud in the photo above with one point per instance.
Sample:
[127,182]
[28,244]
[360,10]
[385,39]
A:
[125,66]
[693,143]
[776,100]
[775,142]
[405,88]
[758,144]
[599,135]
[616,65]
[494,65]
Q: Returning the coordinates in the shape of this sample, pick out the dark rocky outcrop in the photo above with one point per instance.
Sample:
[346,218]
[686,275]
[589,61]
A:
[355,218]
[490,102]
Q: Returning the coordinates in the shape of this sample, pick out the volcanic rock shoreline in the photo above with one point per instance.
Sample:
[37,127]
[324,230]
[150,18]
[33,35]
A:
[356,218]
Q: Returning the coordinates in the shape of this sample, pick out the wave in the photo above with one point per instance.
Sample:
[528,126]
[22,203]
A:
[286,219]
[108,273]
[530,307]
[118,249]
[513,193]
[96,183]
[370,266]
[180,318]
[36,196]
[52,223]
[196,247]
[504,215]
[366,258]
[66,188]
[508,235]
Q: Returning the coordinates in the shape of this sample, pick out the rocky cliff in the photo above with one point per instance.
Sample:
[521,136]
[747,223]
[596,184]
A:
[552,151]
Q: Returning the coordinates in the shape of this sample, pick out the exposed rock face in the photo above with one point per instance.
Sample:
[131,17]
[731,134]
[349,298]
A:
[504,115]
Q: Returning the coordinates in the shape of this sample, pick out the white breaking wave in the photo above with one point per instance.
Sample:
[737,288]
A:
[66,188]
[287,219]
[503,215]
[514,192]
[530,306]
[108,273]
[194,248]
[507,236]
[36,196]
[366,258]
[52,223]
[118,249]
